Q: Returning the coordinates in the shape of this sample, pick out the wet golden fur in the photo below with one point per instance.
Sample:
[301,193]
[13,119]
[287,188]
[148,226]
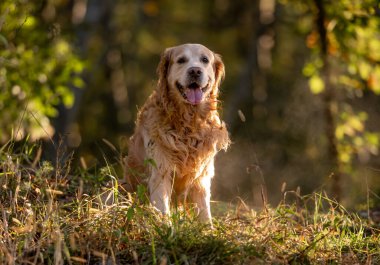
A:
[182,139]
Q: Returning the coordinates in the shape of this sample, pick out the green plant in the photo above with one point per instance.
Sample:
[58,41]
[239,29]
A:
[46,219]
[38,65]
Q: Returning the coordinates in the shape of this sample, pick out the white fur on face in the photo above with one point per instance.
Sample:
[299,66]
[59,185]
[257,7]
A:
[185,57]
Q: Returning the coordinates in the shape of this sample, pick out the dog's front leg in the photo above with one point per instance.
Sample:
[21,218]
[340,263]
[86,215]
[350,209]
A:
[200,195]
[160,190]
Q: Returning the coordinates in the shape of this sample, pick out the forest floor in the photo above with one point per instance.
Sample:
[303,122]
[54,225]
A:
[56,215]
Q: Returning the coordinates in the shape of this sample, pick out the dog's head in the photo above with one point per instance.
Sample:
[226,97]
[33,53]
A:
[191,73]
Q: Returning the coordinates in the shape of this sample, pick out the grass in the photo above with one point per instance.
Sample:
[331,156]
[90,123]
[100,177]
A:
[50,215]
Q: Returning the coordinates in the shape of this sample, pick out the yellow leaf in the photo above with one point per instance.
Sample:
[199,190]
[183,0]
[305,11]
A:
[99,254]
[364,69]
[94,210]
[51,191]
[316,84]
[374,81]
[344,157]
[78,259]
[22,229]
[16,221]
[356,124]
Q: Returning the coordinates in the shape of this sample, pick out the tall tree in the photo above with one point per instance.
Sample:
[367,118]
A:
[345,63]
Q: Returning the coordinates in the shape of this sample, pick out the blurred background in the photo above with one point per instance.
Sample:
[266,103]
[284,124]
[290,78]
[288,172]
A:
[300,97]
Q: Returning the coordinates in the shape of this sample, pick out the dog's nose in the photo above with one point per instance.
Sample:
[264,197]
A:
[195,72]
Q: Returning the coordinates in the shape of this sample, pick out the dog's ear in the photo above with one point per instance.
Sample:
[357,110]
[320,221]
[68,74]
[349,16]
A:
[219,76]
[163,67]
[219,70]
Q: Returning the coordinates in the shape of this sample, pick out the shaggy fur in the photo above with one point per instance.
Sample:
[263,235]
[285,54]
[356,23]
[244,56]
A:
[178,133]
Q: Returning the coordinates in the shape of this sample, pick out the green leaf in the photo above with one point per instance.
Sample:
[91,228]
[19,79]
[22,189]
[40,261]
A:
[130,213]
[373,138]
[150,161]
[68,100]
[309,69]
[141,193]
[4,41]
[78,82]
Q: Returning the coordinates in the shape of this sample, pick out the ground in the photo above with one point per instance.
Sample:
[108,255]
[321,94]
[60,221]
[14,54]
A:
[55,214]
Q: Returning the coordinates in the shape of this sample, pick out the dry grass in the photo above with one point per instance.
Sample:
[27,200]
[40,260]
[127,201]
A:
[49,216]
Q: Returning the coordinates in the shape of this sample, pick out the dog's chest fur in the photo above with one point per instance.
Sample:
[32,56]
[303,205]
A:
[186,149]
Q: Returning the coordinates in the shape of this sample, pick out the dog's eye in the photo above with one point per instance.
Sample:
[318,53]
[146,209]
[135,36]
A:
[204,59]
[181,60]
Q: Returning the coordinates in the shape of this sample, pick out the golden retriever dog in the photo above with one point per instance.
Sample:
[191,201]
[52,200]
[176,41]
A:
[178,130]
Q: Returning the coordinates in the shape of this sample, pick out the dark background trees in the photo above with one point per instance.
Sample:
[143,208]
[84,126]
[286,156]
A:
[300,95]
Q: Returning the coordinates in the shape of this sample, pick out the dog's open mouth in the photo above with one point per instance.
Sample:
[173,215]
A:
[193,93]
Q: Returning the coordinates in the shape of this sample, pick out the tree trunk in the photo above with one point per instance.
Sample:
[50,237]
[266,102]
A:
[330,103]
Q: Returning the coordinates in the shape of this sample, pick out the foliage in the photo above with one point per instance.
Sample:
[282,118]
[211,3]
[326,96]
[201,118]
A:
[49,218]
[353,55]
[38,65]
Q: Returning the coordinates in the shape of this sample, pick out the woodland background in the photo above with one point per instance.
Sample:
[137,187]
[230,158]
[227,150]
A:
[300,97]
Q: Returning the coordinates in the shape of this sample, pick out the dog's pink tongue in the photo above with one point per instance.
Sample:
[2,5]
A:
[194,96]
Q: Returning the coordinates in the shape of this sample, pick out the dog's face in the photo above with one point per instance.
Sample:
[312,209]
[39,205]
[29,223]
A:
[192,72]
